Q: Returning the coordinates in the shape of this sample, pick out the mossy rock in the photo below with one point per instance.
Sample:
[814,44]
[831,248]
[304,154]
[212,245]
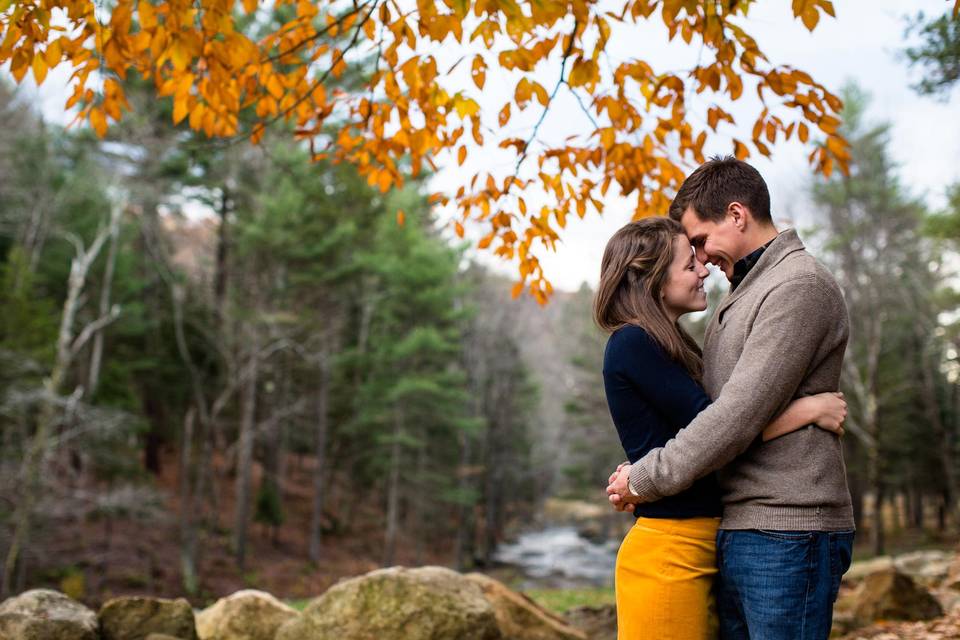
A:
[245,615]
[44,614]
[134,618]
[891,595]
[426,603]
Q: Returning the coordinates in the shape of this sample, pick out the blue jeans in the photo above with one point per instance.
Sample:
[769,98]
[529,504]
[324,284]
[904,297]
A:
[779,585]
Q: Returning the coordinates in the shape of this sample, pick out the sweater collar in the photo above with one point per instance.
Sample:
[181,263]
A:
[743,266]
[780,247]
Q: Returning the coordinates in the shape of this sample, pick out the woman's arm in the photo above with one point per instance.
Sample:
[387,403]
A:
[826,410]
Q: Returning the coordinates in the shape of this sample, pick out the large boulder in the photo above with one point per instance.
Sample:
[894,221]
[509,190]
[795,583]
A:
[427,603]
[43,614]
[891,595]
[134,618]
[519,617]
[952,581]
[928,567]
[860,570]
[245,615]
[598,623]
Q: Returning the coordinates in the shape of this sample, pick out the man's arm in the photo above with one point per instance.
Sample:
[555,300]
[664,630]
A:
[787,334]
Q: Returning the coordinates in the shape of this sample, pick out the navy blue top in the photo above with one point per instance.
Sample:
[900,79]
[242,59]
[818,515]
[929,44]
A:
[651,397]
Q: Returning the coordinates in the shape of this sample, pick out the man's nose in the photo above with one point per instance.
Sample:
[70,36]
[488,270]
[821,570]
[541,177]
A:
[702,255]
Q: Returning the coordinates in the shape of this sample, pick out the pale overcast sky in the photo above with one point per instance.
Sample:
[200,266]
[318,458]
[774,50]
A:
[862,44]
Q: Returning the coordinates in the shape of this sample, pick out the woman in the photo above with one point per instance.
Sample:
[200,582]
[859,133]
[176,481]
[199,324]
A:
[649,278]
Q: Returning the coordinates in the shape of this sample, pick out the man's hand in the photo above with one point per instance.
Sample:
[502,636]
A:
[618,489]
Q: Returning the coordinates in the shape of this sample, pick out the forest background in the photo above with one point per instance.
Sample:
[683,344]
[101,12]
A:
[230,365]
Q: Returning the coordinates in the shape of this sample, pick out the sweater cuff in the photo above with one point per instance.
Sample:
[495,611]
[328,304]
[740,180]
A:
[641,485]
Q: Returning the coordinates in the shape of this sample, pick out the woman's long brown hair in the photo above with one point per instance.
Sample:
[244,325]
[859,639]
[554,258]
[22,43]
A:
[633,272]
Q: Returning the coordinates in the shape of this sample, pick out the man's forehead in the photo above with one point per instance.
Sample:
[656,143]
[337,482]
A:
[692,225]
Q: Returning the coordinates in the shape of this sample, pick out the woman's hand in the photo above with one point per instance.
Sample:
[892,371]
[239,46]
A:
[830,410]
[618,488]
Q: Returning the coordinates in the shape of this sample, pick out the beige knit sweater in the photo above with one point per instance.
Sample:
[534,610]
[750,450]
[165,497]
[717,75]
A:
[780,335]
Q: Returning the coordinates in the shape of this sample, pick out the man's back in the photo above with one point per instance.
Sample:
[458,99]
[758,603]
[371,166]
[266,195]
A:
[798,481]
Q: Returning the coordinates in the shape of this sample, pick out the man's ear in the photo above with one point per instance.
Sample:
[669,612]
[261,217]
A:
[739,213]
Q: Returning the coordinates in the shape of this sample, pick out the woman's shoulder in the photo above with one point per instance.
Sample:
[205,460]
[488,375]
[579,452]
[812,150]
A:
[636,340]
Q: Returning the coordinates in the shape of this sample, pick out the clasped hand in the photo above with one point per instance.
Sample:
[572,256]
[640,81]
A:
[618,489]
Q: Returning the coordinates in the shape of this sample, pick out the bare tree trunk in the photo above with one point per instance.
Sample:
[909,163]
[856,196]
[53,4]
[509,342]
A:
[245,452]
[220,276]
[322,429]
[417,515]
[393,491]
[931,405]
[465,522]
[68,346]
[188,529]
[96,356]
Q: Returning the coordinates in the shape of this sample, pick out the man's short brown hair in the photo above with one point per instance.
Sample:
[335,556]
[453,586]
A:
[715,184]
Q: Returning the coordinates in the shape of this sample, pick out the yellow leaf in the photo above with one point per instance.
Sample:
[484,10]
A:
[458,229]
[541,93]
[147,14]
[250,5]
[803,132]
[516,290]
[740,150]
[196,117]
[401,217]
[584,72]
[179,55]
[274,86]
[523,92]
[53,54]
[479,71]
[98,121]
[461,155]
[39,69]
[180,109]
[466,107]
[504,116]
[485,241]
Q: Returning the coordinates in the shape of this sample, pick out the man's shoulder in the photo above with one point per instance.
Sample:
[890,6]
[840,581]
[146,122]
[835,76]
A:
[800,269]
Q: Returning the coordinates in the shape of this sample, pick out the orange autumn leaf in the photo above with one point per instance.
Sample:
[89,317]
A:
[413,107]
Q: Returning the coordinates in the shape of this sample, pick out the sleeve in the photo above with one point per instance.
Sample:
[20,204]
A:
[663,383]
[789,329]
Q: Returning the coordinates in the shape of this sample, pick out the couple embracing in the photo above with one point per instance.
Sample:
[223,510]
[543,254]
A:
[735,475]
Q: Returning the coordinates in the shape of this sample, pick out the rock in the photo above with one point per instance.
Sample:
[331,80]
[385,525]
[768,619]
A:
[952,581]
[245,615]
[860,570]
[890,595]
[519,617]
[133,618]
[43,614]
[426,603]
[559,511]
[598,623]
[928,568]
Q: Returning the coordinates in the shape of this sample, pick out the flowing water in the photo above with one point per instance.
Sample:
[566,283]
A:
[559,557]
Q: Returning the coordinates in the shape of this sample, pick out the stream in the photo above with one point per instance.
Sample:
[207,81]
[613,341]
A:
[559,557]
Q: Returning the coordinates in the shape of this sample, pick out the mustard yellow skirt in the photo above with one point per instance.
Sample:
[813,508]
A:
[664,579]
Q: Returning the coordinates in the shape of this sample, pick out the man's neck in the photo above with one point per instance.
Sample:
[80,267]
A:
[759,237]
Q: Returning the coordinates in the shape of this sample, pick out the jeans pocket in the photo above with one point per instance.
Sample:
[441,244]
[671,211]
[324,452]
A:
[791,536]
[841,554]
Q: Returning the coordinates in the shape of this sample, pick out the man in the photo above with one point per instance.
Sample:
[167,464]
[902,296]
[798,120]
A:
[787,529]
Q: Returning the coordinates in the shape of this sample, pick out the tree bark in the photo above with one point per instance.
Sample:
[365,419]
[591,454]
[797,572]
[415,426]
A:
[322,428]
[245,452]
[393,491]
[68,346]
